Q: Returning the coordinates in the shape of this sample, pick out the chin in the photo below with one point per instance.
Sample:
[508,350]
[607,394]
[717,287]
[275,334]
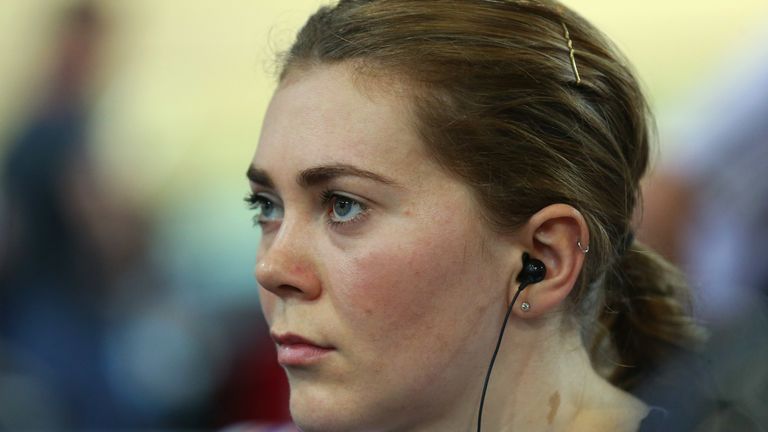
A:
[322,418]
[314,410]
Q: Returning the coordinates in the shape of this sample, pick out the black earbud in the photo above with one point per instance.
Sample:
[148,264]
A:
[533,271]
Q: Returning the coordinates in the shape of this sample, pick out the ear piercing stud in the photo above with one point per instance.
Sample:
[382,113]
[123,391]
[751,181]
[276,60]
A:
[525,306]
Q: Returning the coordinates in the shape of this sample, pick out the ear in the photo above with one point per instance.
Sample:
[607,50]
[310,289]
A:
[552,236]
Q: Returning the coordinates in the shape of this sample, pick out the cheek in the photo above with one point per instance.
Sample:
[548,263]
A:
[401,292]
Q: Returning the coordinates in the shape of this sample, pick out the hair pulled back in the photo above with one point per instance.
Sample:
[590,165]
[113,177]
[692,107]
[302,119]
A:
[497,104]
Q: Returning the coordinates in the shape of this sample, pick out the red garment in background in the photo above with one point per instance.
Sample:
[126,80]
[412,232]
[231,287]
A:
[256,390]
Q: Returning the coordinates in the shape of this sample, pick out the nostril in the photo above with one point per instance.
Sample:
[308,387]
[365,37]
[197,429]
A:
[290,289]
[283,290]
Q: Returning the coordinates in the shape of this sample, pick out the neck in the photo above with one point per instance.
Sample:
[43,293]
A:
[543,381]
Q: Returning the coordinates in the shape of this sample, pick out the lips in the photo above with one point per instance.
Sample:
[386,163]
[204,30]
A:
[295,350]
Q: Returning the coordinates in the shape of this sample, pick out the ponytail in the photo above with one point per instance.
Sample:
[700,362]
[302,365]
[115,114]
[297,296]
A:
[646,316]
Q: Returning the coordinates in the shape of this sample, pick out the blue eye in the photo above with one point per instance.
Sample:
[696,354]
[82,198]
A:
[267,208]
[343,209]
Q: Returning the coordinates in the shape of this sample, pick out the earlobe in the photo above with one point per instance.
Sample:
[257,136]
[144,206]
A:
[553,236]
[533,271]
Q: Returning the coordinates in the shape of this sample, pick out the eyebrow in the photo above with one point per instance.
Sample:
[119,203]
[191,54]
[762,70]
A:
[320,174]
[260,177]
[325,173]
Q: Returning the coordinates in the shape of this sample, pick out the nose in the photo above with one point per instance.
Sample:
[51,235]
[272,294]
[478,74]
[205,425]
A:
[285,266]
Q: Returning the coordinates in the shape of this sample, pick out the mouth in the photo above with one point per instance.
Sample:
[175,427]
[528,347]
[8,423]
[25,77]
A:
[296,350]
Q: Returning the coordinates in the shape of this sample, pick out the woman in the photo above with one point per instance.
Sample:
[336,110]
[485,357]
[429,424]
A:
[413,152]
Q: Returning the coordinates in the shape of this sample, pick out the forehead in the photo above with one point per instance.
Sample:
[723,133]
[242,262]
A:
[329,114]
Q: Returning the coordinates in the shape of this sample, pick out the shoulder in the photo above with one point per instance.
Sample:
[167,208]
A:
[612,410]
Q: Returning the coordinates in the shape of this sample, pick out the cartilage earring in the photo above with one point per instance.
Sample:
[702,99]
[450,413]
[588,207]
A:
[582,248]
[525,306]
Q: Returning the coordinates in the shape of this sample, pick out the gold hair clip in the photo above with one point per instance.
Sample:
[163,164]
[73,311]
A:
[570,50]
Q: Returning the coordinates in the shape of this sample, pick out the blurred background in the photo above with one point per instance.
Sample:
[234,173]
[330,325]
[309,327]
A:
[127,299]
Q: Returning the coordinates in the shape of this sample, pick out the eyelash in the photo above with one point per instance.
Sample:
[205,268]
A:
[256,201]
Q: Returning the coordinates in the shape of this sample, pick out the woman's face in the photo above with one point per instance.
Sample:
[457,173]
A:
[379,278]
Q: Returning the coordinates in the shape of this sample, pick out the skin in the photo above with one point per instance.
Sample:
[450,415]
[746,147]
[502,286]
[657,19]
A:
[412,289]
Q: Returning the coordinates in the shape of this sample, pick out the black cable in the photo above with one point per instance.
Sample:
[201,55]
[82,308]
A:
[495,353]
